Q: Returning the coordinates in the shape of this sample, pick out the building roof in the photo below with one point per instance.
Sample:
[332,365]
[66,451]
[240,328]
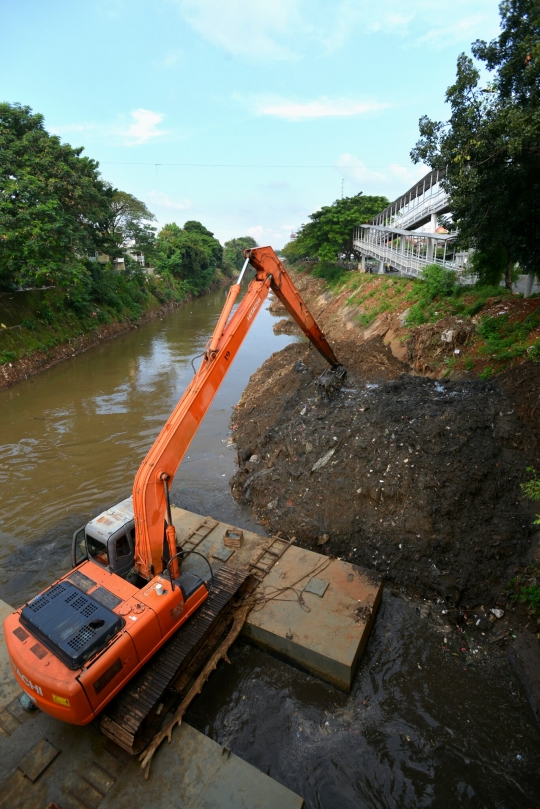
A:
[416,233]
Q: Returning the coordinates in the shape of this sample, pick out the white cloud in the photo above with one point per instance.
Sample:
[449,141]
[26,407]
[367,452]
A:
[266,30]
[256,231]
[62,130]
[145,126]
[255,29]
[162,200]
[428,23]
[392,179]
[320,108]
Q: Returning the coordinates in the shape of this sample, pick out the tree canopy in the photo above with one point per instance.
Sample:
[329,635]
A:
[129,224]
[233,252]
[490,146]
[54,207]
[190,254]
[329,234]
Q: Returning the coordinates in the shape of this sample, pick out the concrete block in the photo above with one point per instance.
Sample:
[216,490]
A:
[325,635]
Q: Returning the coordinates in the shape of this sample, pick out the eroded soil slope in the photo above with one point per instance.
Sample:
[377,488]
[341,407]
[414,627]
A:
[414,477]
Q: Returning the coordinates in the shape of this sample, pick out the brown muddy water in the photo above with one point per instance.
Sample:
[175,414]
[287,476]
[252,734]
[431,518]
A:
[422,727]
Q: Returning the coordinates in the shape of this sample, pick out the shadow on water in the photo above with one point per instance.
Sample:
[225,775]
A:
[417,730]
[72,438]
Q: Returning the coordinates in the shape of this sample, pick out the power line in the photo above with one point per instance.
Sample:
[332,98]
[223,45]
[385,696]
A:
[240,165]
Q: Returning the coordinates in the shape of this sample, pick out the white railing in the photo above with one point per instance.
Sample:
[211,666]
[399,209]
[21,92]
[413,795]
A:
[420,208]
[408,261]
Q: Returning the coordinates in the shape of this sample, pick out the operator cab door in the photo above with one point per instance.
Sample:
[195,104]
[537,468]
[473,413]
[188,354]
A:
[121,550]
[79,552]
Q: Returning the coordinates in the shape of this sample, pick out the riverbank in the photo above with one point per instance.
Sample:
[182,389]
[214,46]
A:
[38,331]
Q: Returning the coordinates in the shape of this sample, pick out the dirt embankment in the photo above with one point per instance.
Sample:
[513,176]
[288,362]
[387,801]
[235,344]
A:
[415,477]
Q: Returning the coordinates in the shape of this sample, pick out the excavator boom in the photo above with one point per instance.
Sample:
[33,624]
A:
[150,489]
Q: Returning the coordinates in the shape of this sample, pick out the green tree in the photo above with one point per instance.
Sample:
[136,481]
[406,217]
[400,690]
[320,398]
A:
[233,252]
[189,254]
[53,205]
[129,225]
[490,146]
[329,234]
[211,244]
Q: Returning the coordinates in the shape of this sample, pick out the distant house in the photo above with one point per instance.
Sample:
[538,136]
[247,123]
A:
[97,255]
[119,263]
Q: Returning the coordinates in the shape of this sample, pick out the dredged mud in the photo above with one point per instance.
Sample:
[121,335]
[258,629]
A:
[414,477]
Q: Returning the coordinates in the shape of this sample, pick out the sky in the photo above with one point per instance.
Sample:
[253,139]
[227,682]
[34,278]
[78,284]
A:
[247,115]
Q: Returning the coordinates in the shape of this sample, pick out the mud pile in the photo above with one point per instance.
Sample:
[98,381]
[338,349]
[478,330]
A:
[414,477]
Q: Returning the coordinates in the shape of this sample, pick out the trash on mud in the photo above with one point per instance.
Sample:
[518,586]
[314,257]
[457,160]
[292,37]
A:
[324,460]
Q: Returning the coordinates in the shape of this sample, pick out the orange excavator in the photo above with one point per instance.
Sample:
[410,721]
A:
[75,646]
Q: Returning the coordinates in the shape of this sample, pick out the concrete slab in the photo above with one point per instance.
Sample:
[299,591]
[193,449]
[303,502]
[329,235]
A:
[325,633]
[201,774]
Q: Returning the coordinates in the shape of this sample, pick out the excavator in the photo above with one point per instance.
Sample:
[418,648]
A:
[127,610]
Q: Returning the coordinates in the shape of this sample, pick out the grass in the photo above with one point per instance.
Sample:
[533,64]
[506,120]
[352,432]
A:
[505,339]
[497,340]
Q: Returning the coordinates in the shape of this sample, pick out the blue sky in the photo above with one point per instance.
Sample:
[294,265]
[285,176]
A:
[272,102]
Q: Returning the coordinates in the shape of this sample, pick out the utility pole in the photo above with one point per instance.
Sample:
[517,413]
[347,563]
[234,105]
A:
[342,182]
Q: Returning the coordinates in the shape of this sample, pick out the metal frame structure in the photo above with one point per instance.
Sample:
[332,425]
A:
[415,207]
[392,237]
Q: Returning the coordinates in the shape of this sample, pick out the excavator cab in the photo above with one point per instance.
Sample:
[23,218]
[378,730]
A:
[108,540]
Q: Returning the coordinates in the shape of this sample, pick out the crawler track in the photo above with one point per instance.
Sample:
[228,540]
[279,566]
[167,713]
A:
[124,720]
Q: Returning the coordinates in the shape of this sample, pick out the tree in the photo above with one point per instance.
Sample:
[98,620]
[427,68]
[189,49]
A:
[53,205]
[129,225]
[490,146]
[233,252]
[189,254]
[329,235]
[206,237]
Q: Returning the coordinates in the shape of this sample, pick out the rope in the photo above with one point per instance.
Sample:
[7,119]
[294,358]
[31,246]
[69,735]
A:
[261,598]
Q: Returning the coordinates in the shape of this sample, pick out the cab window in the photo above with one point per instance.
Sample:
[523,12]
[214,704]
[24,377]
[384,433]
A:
[122,546]
[97,551]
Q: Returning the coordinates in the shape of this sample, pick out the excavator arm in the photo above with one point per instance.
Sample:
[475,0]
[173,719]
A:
[154,477]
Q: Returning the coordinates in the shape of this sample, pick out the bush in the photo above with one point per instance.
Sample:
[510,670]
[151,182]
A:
[416,316]
[7,356]
[333,273]
[439,282]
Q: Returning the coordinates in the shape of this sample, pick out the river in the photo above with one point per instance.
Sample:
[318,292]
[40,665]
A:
[417,731]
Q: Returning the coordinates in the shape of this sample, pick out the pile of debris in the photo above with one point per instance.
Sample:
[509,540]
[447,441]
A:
[416,478]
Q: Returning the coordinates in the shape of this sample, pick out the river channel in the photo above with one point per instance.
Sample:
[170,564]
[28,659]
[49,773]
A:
[420,729]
